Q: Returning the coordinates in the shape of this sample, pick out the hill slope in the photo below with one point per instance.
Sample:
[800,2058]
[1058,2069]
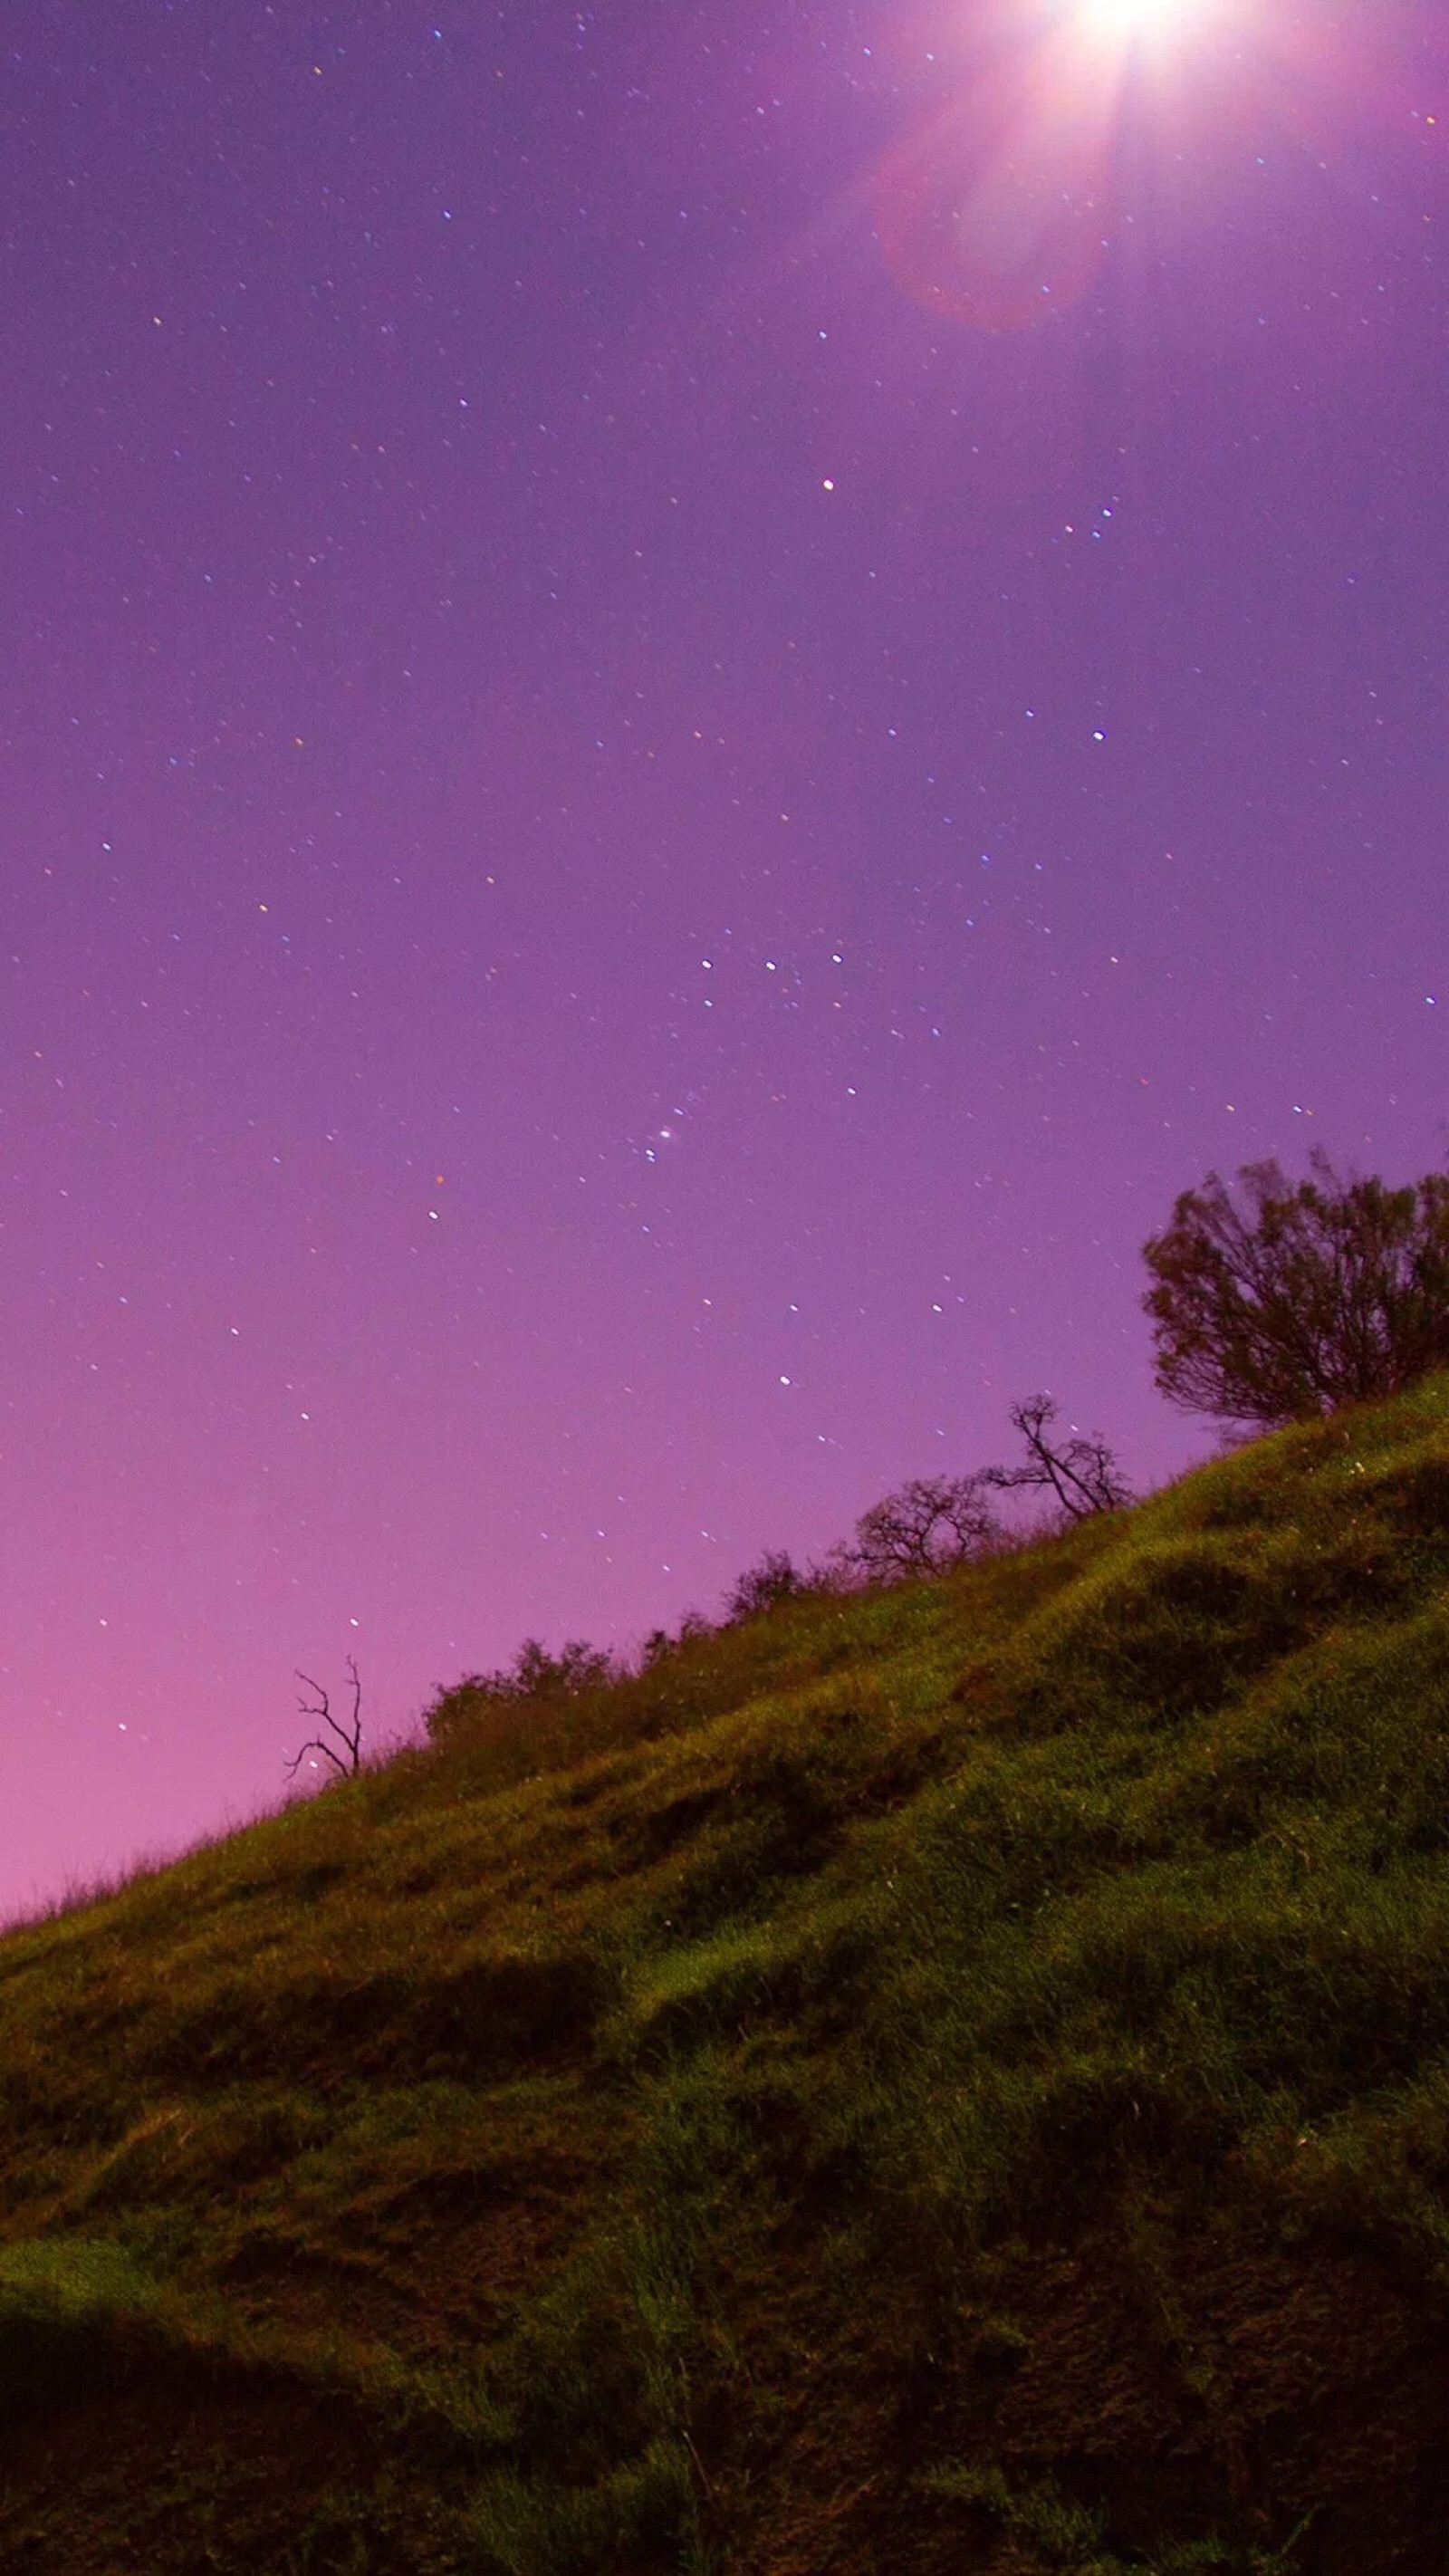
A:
[954,2078]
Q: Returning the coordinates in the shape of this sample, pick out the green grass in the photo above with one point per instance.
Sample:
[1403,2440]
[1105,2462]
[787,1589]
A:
[956,2076]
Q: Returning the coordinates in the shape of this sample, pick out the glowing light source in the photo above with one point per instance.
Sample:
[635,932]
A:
[999,210]
[1132,22]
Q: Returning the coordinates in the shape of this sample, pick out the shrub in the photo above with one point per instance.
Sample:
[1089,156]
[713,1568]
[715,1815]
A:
[772,1579]
[1286,1302]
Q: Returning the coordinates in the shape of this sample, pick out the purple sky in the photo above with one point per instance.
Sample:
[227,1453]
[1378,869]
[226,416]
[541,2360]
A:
[635,855]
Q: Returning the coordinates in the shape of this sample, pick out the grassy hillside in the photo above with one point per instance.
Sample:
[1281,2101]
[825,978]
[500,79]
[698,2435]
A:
[950,2079]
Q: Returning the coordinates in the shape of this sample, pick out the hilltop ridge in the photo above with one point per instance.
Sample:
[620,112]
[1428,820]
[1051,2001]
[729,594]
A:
[955,2076]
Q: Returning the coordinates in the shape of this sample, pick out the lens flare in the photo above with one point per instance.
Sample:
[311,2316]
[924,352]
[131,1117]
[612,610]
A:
[1000,209]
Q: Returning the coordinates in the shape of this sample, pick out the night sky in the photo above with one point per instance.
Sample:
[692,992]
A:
[691,700]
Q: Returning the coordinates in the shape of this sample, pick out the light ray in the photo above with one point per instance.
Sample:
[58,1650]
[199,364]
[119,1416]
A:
[1134,22]
[1000,211]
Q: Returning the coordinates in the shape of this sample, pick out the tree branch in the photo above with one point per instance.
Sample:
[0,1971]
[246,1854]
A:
[348,1731]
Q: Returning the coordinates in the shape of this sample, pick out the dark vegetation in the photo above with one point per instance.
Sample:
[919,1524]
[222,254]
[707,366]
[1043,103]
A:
[927,1526]
[1293,1299]
[945,2075]
[938,1521]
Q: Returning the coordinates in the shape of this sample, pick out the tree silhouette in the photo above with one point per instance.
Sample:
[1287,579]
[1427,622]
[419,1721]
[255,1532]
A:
[928,1524]
[1083,1474]
[1285,1301]
[773,1578]
[348,1731]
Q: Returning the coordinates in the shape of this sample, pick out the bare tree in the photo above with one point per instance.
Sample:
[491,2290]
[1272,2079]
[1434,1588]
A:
[348,1731]
[930,1523]
[1082,1474]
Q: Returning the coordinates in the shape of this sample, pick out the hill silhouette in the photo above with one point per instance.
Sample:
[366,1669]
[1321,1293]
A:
[952,2077]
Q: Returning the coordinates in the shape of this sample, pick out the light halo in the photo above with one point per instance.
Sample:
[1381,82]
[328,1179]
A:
[1133,22]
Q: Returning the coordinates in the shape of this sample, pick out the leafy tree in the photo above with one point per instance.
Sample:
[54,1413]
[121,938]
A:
[1281,1302]
[930,1523]
[772,1579]
[1082,1474]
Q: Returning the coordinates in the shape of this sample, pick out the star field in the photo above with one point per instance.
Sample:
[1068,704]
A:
[683,720]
